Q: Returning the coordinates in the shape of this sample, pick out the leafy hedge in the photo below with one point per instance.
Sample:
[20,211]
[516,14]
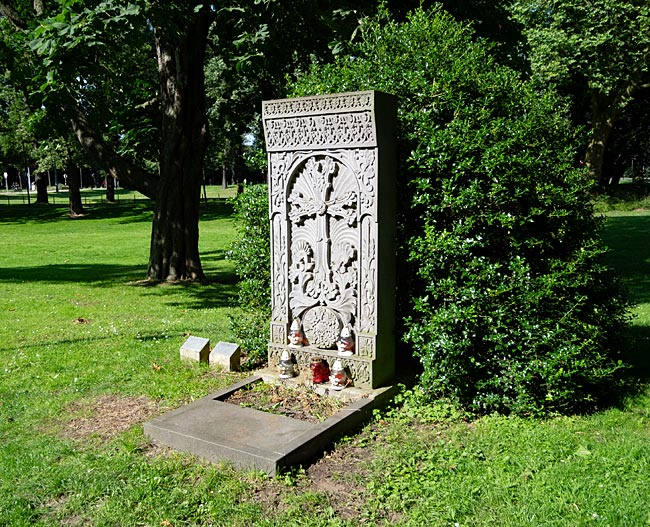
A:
[509,306]
[252,257]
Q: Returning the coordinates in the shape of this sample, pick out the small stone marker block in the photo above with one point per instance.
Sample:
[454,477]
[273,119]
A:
[226,355]
[196,349]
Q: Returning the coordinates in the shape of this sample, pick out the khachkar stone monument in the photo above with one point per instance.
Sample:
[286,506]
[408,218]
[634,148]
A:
[332,212]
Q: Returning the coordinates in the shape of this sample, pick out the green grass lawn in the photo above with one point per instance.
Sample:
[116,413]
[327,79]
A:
[84,343]
[92,196]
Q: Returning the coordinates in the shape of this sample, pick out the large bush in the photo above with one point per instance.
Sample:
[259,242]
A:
[509,308]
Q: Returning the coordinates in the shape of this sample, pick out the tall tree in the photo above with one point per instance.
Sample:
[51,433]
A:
[597,49]
[79,47]
[88,60]
[628,153]
[181,39]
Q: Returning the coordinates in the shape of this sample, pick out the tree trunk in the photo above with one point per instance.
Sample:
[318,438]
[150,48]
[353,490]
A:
[110,189]
[604,113]
[76,207]
[174,253]
[40,180]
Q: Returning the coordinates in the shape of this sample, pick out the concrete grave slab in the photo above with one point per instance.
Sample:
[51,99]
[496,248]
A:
[252,439]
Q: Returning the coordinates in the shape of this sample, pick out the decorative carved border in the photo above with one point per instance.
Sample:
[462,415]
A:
[320,131]
[366,346]
[336,103]
[278,333]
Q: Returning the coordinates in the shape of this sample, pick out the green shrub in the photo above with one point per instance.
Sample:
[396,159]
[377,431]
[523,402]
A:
[251,254]
[509,308]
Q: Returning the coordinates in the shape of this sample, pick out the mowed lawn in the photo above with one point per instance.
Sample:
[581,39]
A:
[88,352]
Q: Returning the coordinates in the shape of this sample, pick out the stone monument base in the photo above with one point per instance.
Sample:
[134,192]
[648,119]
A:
[363,372]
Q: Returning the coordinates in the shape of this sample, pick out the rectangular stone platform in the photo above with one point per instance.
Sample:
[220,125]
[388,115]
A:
[252,439]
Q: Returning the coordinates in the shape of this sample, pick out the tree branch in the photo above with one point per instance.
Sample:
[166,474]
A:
[8,11]
[105,156]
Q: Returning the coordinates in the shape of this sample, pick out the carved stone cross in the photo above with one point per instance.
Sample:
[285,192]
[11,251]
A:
[332,196]
[313,196]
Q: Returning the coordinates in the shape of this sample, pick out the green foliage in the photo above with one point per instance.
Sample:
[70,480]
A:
[596,52]
[411,405]
[600,43]
[510,307]
[251,253]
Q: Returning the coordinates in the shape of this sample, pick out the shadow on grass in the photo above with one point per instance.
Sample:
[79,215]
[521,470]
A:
[85,341]
[220,290]
[125,212]
[638,355]
[216,209]
[80,273]
[62,342]
[105,275]
[628,239]
[140,211]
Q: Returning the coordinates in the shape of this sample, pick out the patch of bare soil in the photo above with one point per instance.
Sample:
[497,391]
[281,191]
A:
[106,416]
[297,403]
[339,477]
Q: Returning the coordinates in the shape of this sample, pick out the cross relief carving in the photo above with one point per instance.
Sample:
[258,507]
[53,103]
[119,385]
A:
[323,214]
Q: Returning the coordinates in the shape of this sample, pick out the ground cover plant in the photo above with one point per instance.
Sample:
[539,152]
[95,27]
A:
[87,353]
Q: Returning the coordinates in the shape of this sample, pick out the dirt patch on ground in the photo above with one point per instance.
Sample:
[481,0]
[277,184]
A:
[339,478]
[55,505]
[105,417]
[297,403]
[339,475]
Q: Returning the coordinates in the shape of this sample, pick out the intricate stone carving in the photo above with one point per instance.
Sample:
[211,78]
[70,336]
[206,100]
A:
[322,327]
[278,333]
[338,103]
[279,265]
[362,163]
[320,131]
[366,347]
[360,373]
[324,206]
[322,210]
[368,316]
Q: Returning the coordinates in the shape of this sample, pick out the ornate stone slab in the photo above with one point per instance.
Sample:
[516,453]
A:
[332,211]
